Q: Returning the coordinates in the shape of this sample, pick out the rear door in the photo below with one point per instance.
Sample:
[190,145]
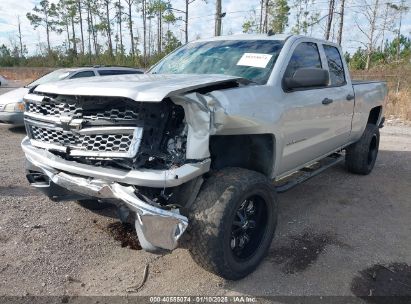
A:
[342,94]
[316,121]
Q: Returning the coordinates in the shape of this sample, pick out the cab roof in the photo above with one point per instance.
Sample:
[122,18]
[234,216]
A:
[278,37]
[281,37]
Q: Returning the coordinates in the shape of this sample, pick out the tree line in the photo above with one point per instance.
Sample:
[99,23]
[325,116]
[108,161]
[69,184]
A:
[374,20]
[140,32]
[99,27]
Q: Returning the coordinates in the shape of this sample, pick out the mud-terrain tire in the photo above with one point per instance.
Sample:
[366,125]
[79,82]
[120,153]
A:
[92,204]
[360,157]
[214,222]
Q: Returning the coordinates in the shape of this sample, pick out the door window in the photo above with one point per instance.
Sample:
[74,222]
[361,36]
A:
[83,74]
[118,72]
[335,65]
[305,55]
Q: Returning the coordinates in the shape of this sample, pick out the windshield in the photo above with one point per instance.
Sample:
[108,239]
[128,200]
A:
[250,59]
[50,77]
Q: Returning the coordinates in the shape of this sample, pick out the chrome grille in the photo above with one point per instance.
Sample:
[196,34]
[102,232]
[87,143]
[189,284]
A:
[62,124]
[54,109]
[53,136]
[95,142]
[114,114]
[107,142]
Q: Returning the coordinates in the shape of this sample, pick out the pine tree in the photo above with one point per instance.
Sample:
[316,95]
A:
[278,14]
[130,4]
[44,15]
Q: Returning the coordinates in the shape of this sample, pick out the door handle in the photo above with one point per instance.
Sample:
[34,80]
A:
[350,97]
[327,101]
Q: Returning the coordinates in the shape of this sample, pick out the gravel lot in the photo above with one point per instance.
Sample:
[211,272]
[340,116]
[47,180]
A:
[331,229]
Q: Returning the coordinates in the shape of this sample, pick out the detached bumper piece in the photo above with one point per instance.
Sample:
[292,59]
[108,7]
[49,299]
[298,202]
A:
[156,228]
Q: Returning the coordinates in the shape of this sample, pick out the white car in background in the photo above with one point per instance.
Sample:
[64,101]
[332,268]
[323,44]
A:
[12,105]
[3,81]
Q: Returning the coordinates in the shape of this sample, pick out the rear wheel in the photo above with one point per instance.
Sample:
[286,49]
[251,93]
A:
[361,156]
[232,222]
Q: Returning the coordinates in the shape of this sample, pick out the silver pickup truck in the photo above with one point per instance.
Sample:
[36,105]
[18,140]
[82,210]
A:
[193,152]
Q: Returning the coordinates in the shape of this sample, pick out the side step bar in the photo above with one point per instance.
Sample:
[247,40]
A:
[306,173]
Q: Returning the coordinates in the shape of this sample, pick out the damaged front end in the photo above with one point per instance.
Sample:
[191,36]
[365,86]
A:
[108,131]
[157,227]
[132,154]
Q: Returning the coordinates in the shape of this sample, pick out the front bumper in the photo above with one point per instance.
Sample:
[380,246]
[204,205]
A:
[14,118]
[142,177]
[156,228]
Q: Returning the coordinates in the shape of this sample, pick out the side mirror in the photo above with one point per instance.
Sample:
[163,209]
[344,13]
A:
[306,78]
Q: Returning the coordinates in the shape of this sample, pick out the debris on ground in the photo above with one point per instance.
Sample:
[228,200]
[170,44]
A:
[143,281]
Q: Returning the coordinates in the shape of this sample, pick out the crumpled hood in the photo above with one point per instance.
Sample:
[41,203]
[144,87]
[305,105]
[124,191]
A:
[139,87]
[13,96]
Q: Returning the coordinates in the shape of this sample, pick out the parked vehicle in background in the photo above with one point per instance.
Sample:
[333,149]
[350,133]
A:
[12,105]
[190,152]
[3,81]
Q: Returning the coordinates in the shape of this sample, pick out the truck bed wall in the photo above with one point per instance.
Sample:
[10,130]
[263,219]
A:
[368,95]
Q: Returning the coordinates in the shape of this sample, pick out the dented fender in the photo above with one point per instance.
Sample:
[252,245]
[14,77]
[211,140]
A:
[226,112]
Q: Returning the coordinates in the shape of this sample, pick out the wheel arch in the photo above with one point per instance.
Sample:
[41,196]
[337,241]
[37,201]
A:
[375,115]
[250,151]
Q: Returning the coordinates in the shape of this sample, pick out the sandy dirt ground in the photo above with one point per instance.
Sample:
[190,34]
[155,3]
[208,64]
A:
[331,229]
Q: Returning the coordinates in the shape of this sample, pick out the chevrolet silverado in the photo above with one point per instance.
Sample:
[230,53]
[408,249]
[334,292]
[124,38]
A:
[193,152]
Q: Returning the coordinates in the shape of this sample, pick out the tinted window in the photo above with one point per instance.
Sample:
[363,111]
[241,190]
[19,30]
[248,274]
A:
[335,65]
[83,74]
[305,55]
[117,72]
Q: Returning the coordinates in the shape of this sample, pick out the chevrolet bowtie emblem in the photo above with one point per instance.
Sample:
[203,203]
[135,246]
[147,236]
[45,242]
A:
[67,122]
[65,119]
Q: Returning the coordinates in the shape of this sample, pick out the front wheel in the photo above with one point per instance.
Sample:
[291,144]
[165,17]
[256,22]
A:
[361,156]
[232,222]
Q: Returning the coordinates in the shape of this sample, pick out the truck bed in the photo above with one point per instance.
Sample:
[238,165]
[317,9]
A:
[358,82]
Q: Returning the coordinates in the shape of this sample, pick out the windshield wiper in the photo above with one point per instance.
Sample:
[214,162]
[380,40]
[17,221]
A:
[31,89]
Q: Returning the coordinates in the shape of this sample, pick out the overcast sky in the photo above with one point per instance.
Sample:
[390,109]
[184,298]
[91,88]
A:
[201,21]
